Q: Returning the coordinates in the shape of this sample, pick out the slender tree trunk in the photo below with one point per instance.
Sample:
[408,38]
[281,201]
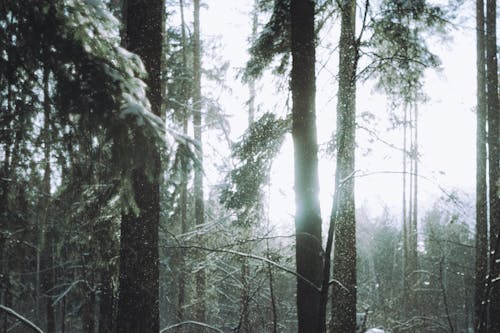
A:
[181,295]
[274,309]
[63,315]
[307,216]
[415,188]
[442,279]
[481,187]
[106,301]
[405,224]
[251,83]
[410,265]
[199,205]
[245,324]
[138,304]
[413,216]
[47,240]
[493,157]
[4,207]
[344,260]
[88,307]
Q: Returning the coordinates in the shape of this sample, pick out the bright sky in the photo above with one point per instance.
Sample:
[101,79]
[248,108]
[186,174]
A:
[446,131]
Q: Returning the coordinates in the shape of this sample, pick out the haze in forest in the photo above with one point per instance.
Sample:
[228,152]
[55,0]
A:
[447,124]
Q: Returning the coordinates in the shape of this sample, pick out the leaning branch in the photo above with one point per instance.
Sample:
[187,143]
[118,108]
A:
[22,319]
[253,256]
[190,322]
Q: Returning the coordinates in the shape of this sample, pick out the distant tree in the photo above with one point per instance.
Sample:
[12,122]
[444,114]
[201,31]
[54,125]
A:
[400,56]
[199,203]
[47,225]
[185,94]
[447,264]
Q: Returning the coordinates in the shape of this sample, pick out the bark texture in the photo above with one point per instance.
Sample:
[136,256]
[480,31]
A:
[344,261]
[493,160]
[138,305]
[481,187]
[307,216]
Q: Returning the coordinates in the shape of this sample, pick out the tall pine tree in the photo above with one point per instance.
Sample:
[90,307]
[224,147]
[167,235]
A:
[307,217]
[139,263]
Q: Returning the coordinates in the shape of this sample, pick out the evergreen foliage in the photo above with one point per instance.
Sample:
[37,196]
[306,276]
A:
[398,45]
[274,40]
[253,156]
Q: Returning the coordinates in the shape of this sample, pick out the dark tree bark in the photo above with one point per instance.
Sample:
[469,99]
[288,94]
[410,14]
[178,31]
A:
[481,187]
[344,261]
[106,302]
[138,305]
[199,204]
[88,307]
[493,157]
[106,319]
[307,216]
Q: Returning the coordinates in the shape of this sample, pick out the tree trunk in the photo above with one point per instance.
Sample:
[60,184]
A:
[307,217]
[251,83]
[405,227]
[493,157]
[181,295]
[88,313]
[413,215]
[47,256]
[481,187]
[245,323]
[106,301]
[138,304]
[274,310]
[199,205]
[344,261]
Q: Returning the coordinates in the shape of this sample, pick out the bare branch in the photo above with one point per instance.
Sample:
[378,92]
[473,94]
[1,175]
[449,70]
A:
[191,322]
[24,320]
[253,256]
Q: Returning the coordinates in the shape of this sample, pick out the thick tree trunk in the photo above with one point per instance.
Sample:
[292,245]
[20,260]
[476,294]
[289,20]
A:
[307,217]
[493,157]
[138,304]
[481,187]
[344,261]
